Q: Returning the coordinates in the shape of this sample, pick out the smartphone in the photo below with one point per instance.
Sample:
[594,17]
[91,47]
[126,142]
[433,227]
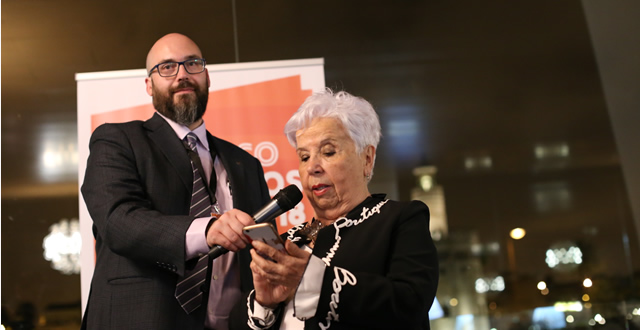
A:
[266,233]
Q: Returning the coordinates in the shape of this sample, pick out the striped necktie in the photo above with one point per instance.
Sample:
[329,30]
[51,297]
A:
[189,288]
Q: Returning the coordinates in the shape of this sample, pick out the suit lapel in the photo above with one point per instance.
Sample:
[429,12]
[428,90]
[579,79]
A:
[166,140]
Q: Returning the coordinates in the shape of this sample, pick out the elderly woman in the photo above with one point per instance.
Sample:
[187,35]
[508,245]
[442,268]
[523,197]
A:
[363,262]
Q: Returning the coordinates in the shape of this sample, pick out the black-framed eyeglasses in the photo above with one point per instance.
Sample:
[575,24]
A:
[170,69]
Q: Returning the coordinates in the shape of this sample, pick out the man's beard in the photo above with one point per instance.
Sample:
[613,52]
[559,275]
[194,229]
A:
[187,109]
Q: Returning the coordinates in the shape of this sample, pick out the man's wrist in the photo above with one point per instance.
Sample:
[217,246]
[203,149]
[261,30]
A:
[211,221]
[195,242]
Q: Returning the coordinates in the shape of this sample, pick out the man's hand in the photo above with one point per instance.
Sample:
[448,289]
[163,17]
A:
[226,231]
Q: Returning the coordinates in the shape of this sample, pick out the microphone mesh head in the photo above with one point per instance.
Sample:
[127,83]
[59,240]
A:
[288,197]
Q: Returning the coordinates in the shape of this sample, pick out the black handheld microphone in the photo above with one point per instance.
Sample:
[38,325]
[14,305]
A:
[282,202]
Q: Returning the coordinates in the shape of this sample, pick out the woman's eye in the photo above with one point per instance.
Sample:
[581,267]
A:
[329,153]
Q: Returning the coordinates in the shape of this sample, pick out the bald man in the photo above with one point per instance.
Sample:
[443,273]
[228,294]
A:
[138,189]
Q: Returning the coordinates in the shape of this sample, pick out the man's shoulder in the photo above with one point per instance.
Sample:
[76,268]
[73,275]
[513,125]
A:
[129,125]
[131,130]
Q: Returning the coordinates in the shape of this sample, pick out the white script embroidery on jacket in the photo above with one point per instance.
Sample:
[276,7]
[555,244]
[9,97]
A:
[348,277]
[344,222]
[292,231]
[342,277]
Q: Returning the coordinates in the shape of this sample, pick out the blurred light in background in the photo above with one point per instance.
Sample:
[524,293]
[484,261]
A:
[551,150]
[431,193]
[563,256]
[598,318]
[487,284]
[551,156]
[488,249]
[551,196]
[474,163]
[435,312]
[465,321]
[587,283]
[568,306]
[426,176]
[541,285]
[548,318]
[517,233]
[403,131]
[62,246]
[426,182]
[403,128]
[59,152]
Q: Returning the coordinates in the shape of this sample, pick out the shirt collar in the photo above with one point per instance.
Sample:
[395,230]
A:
[182,131]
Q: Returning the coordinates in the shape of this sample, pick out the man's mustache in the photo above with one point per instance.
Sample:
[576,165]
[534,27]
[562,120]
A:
[184,84]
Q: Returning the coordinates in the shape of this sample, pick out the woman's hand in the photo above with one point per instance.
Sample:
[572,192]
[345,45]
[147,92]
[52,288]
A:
[276,280]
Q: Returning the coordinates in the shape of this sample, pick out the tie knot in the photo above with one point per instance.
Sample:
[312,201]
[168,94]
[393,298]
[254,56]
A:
[191,140]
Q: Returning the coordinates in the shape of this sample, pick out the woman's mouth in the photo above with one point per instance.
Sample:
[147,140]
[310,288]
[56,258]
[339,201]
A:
[319,189]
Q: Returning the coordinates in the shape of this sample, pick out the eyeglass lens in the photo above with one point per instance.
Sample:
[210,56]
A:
[192,66]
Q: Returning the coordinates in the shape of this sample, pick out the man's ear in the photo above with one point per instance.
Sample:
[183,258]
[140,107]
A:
[149,84]
[208,81]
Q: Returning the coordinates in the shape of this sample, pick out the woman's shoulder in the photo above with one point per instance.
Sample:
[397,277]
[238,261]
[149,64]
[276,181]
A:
[379,208]
[408,209]
[395,204]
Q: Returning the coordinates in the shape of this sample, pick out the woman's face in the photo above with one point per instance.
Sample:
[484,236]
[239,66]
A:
[332,173]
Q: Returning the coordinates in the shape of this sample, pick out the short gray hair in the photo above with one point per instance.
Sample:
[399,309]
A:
[355,114]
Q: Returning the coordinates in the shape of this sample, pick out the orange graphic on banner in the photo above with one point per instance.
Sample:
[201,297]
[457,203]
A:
[253,117]
[141,112]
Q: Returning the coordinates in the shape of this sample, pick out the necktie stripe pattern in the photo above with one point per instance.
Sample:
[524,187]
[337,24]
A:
[200,201]
[188,289]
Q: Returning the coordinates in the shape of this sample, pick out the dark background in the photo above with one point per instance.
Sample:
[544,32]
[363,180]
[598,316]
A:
[450,80]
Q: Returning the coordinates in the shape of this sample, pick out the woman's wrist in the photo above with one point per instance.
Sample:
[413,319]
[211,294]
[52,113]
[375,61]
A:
[265,303]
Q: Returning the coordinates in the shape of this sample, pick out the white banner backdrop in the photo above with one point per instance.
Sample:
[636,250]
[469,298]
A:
[251,101]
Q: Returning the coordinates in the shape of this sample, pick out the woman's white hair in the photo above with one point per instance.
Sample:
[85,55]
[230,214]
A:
[355,113]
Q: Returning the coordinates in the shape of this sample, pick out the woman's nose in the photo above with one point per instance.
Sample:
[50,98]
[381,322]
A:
[313,166]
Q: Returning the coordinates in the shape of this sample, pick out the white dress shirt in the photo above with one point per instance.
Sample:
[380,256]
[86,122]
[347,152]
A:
[224,291]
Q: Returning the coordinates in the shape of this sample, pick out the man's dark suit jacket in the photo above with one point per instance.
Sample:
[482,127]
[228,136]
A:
[137,188]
